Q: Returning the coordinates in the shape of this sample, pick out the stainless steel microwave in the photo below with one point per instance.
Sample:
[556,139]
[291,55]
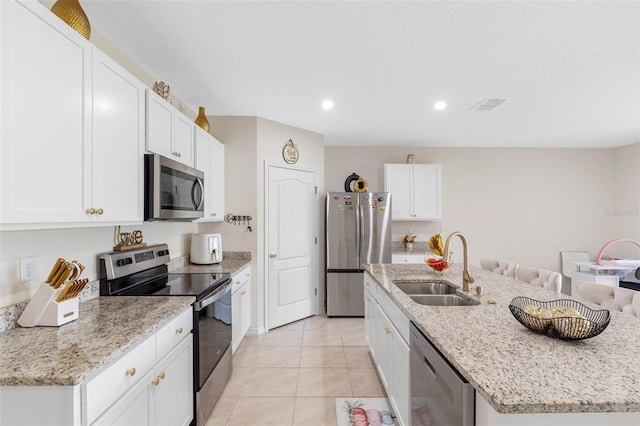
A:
[173,191]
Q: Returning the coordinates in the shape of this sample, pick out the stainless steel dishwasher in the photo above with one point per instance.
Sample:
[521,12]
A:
[440,396]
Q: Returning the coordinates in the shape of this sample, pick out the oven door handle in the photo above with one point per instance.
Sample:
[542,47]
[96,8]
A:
[216,295]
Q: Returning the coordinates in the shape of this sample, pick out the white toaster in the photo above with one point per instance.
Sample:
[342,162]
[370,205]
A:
[206,248]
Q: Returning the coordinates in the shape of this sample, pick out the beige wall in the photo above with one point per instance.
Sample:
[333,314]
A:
[523,205]
[252,143]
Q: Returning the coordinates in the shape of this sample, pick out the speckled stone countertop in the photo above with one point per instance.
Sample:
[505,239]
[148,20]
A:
[232,262]
[513,368]
[107,327]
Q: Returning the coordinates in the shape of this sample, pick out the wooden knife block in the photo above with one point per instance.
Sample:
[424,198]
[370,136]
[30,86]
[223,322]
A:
[44,310]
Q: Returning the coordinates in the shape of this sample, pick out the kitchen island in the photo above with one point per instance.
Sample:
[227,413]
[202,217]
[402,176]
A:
[516,371]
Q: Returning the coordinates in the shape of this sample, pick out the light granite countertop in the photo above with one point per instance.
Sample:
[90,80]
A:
[107,327]
[231,263]
[513,368]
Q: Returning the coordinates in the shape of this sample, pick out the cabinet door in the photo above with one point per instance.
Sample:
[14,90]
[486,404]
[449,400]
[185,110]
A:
[216,182]
[398,181]
[133,408]
[210,159]
[118,142]
[426,191]
[236,305]
[203,163]
[44,121]
[245,309]
[383,347]
[159,125]
[400,386]
[173,391]
[182,139]
[369,321]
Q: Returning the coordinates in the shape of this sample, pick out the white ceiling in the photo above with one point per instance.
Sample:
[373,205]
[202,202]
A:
[569,70]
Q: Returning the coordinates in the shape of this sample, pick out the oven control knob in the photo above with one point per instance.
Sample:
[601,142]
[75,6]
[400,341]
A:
[120,262]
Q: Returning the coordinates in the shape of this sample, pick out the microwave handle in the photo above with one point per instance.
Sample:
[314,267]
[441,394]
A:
[197,203]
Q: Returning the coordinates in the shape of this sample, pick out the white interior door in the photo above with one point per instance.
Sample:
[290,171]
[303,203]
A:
[291,245]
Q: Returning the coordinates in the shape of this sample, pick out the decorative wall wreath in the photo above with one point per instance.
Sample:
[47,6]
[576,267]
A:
[347,183]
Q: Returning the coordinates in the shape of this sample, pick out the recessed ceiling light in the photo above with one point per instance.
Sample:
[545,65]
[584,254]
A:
[440,105]
[327,104]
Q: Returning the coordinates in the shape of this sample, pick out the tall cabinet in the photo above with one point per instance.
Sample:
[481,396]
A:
[210,159]
[415,189]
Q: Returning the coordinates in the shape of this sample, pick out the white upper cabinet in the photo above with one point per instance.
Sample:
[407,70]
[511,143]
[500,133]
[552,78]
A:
[169,132]
[45,106]
[415,190]
[118,142]
[72,125]
[210,159]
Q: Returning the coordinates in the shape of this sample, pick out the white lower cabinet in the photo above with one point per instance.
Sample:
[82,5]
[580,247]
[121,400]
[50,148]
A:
[386,330]
[407,258]
[240,306]
[151,384]
[164,395]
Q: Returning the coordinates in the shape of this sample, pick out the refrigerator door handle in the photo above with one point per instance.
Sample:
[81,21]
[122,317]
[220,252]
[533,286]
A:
[359,231]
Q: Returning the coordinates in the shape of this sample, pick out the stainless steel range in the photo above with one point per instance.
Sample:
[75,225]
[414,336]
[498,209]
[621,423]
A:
[144,272]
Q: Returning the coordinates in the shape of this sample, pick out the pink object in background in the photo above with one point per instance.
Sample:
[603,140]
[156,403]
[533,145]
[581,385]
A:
[610,243]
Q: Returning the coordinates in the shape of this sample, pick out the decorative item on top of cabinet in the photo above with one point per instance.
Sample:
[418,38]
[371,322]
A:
[201,119]
[360,185]
[411,159]
[72,13]
[290,152]
[162,89]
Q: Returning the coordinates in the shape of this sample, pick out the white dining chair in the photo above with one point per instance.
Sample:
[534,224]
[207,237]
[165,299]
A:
[549,280]
[501,267]
[616,299]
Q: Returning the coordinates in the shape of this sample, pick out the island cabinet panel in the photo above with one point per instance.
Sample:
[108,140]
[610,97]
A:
[487,416]
[389,348]
[415,189]
[407,258]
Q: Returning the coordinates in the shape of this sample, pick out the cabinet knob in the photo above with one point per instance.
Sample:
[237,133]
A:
[387,330]
[179,330]
[179,154]
[99,211]
[273,255]
[91,211]
[162,375]
[131,372]
[243,293]
[155,381]
[213,213]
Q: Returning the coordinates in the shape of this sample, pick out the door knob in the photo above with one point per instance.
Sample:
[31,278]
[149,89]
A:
[273,255]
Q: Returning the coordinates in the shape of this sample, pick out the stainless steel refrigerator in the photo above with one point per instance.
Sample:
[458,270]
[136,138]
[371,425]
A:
[358,231]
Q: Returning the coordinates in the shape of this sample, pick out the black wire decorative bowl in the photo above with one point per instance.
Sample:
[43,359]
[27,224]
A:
[565,319]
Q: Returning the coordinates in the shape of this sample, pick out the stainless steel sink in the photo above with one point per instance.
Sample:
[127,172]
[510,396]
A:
[442,300]
[425,287]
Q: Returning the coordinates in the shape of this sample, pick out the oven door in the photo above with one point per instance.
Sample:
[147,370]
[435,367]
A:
[212,330]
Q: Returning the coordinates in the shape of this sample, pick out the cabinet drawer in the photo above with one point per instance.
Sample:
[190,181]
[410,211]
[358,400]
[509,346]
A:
[395,314]
[115,380]
[171,334]
[240,279]
[407,258]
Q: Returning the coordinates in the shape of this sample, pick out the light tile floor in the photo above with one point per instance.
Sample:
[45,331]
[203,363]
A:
[292,375]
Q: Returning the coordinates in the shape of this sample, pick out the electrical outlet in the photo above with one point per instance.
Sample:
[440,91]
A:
[27,265]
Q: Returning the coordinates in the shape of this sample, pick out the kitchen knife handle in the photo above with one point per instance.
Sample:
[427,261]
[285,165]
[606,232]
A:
[54,270]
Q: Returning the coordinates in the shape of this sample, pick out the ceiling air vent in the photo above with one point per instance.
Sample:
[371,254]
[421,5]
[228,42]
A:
[487,104]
